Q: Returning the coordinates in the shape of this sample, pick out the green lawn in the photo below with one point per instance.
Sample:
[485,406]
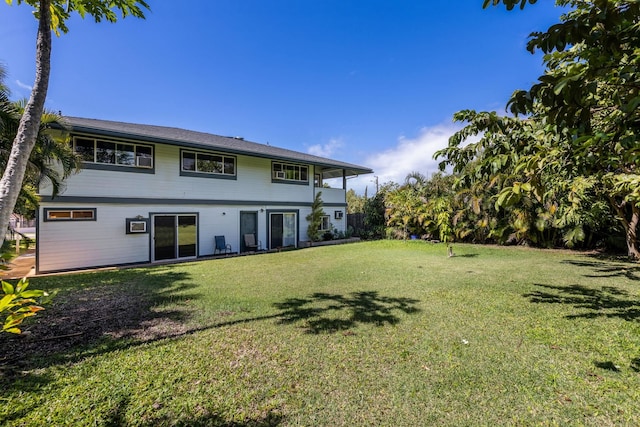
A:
[374,333]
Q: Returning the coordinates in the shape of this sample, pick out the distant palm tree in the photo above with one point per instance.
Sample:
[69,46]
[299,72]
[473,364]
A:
[415,179]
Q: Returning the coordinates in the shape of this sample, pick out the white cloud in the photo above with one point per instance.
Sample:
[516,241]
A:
[24,86]
[408,155]
[325,150]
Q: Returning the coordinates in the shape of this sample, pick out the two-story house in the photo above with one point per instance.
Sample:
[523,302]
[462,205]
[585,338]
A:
[152,193]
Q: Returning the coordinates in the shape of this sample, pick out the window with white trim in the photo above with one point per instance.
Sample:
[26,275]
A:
[101,151]
[289,172]
[208,163]
[54,214]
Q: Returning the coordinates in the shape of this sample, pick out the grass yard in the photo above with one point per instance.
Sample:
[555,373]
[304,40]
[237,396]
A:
[375,333]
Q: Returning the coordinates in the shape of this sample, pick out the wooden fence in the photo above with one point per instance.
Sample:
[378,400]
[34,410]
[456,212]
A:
[356,221]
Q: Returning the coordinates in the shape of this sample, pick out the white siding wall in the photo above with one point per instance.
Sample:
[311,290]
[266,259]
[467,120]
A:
[253,182]
[67,245]
[332,195]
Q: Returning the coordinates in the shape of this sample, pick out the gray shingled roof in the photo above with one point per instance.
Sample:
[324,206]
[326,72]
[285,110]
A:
[192,139]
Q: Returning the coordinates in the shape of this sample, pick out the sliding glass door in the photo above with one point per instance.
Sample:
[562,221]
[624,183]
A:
[187,236]
[175,236]
[282,229]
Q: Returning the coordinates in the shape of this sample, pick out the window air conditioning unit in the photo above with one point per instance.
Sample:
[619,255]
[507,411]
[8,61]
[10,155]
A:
[137,225]
[338,214]
[143,162]
[280,175]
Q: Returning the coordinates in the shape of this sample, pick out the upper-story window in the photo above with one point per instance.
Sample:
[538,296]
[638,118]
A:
[289,172]
[114,153]
[195,162]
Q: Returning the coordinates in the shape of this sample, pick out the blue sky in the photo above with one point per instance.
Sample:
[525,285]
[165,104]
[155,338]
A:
[373,82]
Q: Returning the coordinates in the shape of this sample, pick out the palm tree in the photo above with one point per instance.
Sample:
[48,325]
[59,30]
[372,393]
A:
[415,180]
[8,114]
[52,159]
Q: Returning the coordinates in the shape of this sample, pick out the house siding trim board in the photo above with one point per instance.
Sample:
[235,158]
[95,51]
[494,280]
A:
[149,201]
[117,168]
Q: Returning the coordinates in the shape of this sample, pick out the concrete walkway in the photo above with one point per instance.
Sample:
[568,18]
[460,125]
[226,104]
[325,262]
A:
[21,266]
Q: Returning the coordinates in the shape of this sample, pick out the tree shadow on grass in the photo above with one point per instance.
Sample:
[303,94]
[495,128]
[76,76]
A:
[104,312]
[271,419]
[605,268]
[25,383]
[329,313]
[97,313]
[606,301]
[117,417]
[120,310]
[608,366]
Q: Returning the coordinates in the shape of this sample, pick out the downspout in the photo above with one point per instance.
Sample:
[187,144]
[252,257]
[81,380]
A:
[344,184]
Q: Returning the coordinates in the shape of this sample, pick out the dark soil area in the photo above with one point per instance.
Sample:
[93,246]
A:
[78,321]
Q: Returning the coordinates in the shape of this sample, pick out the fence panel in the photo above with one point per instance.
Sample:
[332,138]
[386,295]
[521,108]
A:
[356,221]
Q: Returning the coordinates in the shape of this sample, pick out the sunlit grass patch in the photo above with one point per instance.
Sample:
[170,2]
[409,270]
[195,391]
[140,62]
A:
[375,333]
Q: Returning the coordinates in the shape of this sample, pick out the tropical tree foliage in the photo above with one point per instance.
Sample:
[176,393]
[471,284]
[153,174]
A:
[355,203]
[51,161]
[18,303]
[403,206]
[52,15]
[562,170]
[569,158]
[374,216]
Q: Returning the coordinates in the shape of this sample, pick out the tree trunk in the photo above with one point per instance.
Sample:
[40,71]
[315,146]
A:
[632,234]
[13,175]
[630,226]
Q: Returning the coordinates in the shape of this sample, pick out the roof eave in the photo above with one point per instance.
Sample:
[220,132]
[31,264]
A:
[349,170]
